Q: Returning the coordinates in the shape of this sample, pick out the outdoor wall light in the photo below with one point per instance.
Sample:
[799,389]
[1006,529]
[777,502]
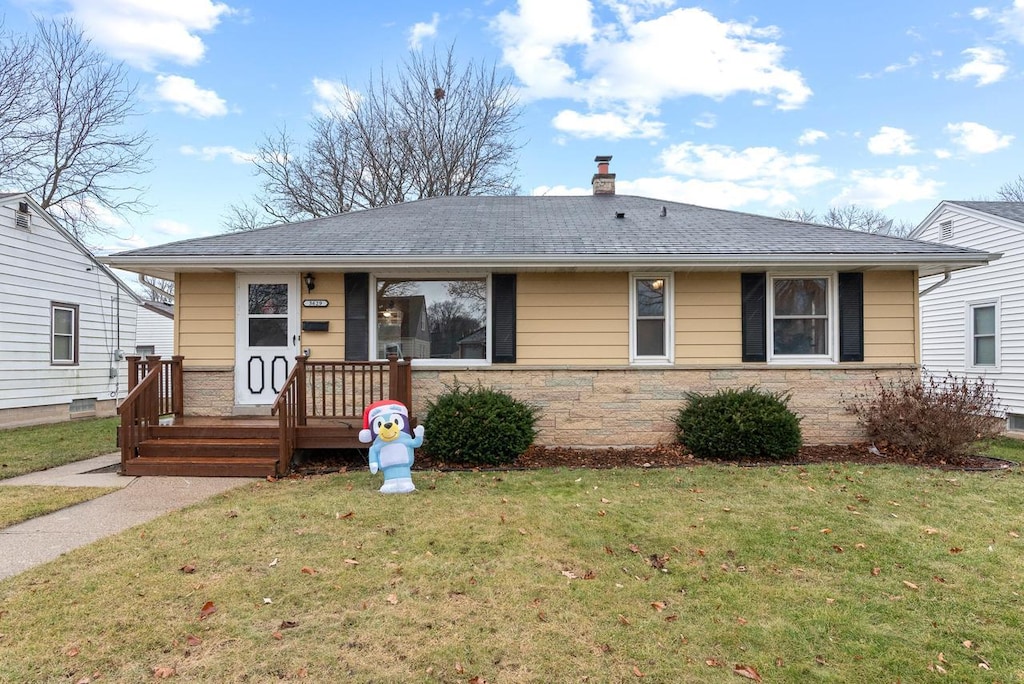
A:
[310,282]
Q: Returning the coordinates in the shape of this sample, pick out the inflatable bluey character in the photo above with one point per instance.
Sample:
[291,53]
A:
[386,424]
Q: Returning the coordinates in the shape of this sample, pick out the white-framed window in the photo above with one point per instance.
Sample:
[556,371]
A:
[802,312]
[650,318]
[63,334]
[437,321]
[983,335]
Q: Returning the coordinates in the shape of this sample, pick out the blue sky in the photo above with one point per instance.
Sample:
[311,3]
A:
[753,106]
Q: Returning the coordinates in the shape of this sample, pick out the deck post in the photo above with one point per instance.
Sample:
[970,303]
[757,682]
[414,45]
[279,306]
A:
[177,386]
[133,371]
[300,390]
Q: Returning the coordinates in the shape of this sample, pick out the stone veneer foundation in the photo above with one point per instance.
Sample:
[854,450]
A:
[636,406]
[621,407]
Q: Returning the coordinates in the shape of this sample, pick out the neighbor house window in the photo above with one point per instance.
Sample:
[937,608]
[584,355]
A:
[442,320]
[64,334]
[982,340]
[650,318]
[801,317]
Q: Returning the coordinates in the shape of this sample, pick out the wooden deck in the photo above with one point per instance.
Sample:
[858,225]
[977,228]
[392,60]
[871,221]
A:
[158,437]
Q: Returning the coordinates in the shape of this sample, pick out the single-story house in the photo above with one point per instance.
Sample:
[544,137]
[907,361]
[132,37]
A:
[66,322]
[603,310]
[972,322]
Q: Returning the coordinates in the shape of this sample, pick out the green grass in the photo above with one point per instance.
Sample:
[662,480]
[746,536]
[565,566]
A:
[817,574]
[1008,448]
[18,504]
[28,449]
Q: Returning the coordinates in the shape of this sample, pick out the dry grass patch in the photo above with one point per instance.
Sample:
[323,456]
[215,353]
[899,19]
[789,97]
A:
[18,504]
[826,573]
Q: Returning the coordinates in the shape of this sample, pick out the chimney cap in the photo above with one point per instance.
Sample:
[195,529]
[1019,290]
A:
[603,158]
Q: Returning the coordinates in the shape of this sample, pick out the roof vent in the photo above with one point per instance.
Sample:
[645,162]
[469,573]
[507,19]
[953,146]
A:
[22,216]
[946,230]
[664,212]
[620,214]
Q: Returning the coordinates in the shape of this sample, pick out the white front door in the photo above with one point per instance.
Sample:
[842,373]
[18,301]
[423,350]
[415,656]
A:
[266,335]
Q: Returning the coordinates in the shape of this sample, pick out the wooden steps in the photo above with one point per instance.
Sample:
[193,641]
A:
[207,452]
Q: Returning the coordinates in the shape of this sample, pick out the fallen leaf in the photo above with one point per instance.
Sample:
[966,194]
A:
[820,660]
[188,569]
[714,662]
[930,530]
[288,624]
[277,635]
[478,680]
[940,669]
[634,548]
[942,658]
[1014,535]
[393,599]
[747,671]
[671,618]
[207,610]
[459,669]
[522,531]
[267,601]
[658,605]
[232,514]
[637,672]
[875,571]
[601,514]
[827,530]
[542,616]
[623,620]
[352,561]
[273,563]
[346,516]
[605,501]
[609,550]
[73,651]
[968,643]
[860,546]
[306,570]
[837,548]
[984,666]
[163,672]
[570,574]
[741,621]
[910,585]
[955,549]
[193,640]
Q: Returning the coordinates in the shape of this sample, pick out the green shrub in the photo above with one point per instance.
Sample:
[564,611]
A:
[936,417]
[478,426]
[739,424]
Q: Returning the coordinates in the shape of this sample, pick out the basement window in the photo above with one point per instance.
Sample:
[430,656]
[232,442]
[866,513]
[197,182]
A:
[83,406]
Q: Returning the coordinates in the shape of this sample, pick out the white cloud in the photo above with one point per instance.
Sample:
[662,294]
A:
[975,138]
[1011,20]
[987,64]
[563,50]
[188,98]
[212,152]
[811,136]
[880,190]
[143,33]
[912,61]
[333,96]
[890,140]
[757,166]
[943,153]
[422,30]
[706,120]
[980,12]
[606,125]
[171,228]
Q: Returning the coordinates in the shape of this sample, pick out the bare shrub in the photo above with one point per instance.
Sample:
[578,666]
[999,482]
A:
[933,417]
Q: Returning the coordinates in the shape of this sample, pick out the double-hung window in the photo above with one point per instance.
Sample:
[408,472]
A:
[64,334]
[651,318]
[983,335]
[802,319]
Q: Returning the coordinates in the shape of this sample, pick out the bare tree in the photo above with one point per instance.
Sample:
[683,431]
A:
[852,217]
[1012,191]
[158,289]
[21,107]
[91,162]
[435,129]
[246,216]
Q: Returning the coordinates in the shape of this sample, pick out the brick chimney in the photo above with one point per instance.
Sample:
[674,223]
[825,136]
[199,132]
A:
[603,182]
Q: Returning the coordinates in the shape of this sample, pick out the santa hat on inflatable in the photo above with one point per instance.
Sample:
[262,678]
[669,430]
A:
[376,409]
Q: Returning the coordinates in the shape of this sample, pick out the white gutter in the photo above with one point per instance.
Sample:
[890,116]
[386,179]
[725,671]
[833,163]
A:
[934,286]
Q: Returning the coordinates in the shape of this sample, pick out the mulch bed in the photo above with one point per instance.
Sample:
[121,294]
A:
[661,456]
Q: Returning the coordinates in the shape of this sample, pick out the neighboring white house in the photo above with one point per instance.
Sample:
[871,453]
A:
[154,331]
[973,324]
[66,322]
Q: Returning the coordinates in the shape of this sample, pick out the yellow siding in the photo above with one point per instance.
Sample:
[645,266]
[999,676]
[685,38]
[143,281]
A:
[890,317]
[204,327]
[572,318]
[328,345]
[707,310]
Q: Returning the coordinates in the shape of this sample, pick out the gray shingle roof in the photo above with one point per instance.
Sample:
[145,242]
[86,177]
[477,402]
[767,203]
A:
[573,226]
[1008,210]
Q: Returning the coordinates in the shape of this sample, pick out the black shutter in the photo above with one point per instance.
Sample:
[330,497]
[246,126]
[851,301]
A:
[754,314]
[851,316]
[357,316]
[503,317]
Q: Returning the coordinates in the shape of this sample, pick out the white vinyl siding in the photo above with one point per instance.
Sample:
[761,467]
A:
[946,333]
[41,266]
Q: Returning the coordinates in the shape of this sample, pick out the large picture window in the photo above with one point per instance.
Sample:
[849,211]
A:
[64,334]
[982,342]
[650,318]
[432,319]
[801,316]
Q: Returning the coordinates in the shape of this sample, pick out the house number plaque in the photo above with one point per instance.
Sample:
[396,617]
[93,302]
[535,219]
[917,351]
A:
[314,303]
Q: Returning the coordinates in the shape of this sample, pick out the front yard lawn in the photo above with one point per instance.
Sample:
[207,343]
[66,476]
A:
[838,573]
[38,447]
[18,504]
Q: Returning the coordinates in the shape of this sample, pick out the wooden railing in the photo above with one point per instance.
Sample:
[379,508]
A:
[290,411]
[345,388]
[139,411]
[171,381]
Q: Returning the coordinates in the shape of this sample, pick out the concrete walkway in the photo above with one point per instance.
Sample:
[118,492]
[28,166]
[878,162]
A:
[138,500]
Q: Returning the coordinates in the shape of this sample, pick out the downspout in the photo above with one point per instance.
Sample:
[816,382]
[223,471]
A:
[934,286]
